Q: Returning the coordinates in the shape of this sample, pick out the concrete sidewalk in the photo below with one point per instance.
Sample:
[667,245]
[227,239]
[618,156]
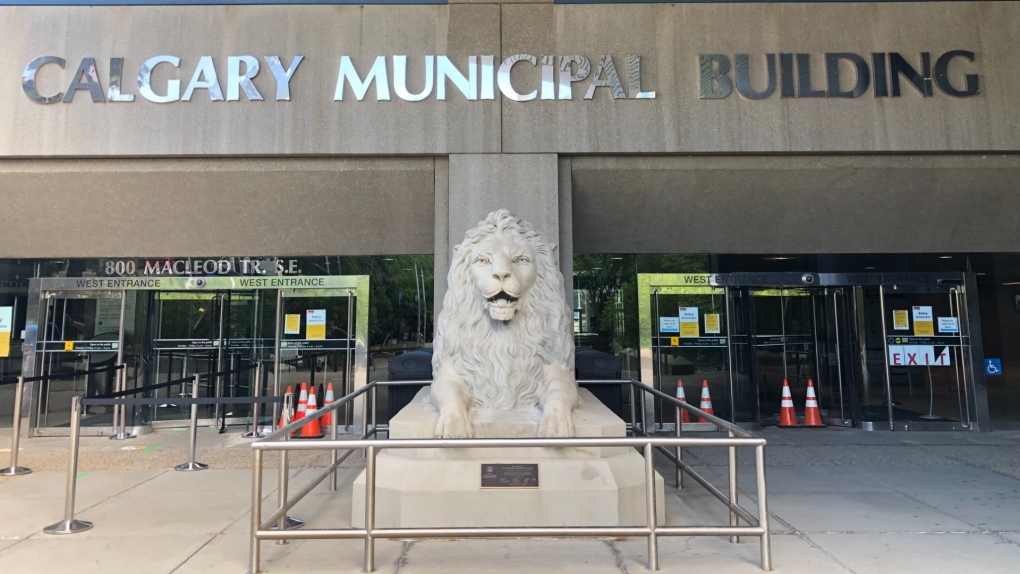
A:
[841,501]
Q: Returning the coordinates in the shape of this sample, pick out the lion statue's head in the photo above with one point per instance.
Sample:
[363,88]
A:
[504,315]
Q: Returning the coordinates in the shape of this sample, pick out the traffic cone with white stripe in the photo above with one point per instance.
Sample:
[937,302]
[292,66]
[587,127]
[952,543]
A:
[812,416]
[327,419]
[706,402]
[787,416]
[302,406]
[311,429]
[685,417]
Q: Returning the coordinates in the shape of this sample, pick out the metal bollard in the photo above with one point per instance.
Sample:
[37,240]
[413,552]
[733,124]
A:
[120,412]
[69,525]
[255,432]
[14,469]
[286,522]
[191,464]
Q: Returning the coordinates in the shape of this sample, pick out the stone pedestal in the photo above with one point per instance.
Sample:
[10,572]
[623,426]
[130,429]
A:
[600,486]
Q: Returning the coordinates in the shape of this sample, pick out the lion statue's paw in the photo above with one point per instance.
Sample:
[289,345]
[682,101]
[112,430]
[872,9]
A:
[454,423]
[557,422]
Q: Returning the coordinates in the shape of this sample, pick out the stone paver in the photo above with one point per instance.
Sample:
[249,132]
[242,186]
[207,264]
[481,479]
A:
[840,500]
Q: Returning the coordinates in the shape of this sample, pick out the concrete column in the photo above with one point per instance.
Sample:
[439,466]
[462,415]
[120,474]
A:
[529,185]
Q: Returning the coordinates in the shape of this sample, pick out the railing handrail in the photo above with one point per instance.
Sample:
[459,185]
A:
[388,443]
[323,410]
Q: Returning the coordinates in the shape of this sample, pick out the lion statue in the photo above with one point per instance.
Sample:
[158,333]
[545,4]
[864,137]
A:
[503,338]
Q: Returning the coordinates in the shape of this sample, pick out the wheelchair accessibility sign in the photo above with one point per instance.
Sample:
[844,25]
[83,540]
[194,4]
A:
[993,367]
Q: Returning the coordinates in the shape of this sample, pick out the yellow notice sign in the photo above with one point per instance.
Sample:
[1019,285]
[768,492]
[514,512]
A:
[899,320]
[711,323]
[315,322]
[689,322]
[292,324]
[68,345]
[6,319]
[924,321]
[674,341]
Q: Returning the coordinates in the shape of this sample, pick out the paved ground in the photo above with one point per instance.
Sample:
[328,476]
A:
[841,501]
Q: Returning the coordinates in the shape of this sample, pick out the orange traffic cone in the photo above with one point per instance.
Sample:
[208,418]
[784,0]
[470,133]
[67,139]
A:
[302,406]
[311,429]
[284,416]
[685,417]
[706,402]
[812,416]
[787,416]
[327,419]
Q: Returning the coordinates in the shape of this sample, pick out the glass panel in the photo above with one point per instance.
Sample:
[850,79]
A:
[317,342]
[691,347]
[185,340]
[925,342]
[744,393]
[791,344]
[78,334]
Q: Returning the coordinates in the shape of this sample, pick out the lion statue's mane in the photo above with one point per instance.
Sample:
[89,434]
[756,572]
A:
[502,364]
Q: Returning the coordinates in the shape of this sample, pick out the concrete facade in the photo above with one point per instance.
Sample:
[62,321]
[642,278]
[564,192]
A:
[569,166]
[363,171]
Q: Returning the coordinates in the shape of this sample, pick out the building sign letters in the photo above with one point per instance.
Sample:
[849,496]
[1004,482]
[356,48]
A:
[385,76]
[481,77]
[846,75]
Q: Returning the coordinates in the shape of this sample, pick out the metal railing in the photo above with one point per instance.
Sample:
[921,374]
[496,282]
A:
[275,526]
[19,393]
[70,525]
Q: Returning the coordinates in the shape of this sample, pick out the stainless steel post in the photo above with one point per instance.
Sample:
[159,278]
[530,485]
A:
[256,511]
[334,454]
[69,525]
[644,419]
[653,539]
[782,323]
[14,469]
[286,522]
[679,449]
[120,412]
[763,509]
[733,488]
[633,410]
[729,358]
[885,357]
[348,382]
[255,432]
[839,359]
[193,443]
[219,358]
[277,362]
[961,381]
[370,510]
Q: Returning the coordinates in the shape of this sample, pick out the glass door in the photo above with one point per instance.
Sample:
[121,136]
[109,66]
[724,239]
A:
[691,346]
[927,356]
[79,332]
[317,329]
[250,340]
[186,332]
[798,337]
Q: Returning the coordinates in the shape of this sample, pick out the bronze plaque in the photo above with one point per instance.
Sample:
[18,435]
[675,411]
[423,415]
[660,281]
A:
[496,475]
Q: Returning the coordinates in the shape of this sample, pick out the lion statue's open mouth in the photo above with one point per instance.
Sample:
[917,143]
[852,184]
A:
[502,306]
[503,338]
